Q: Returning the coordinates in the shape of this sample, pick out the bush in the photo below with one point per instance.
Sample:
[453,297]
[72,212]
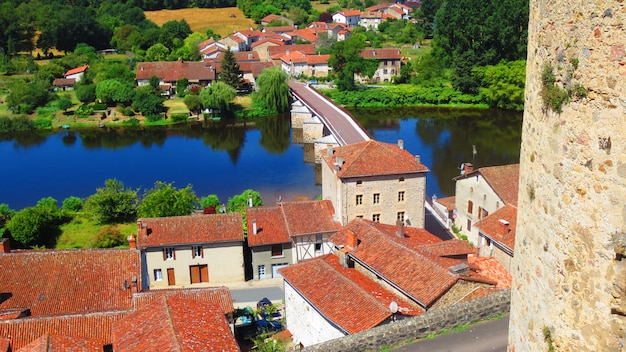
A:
[83,111]
[182,117]
[43,123]
[72,204]
[22,124]
[99,106]
[131,122]
[153,118]
[108,237]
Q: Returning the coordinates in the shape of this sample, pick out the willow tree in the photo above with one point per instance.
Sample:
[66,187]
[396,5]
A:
[272,90]
[217,96]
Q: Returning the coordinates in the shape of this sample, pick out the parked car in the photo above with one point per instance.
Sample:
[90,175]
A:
[268,325]
[312,82]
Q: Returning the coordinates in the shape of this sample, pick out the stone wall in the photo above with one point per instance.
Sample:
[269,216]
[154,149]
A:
[421,326]
[569,276]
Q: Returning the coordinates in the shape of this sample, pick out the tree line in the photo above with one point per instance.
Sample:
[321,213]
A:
[39,225]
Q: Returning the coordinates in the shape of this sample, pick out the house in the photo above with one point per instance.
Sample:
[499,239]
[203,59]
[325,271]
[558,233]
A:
[169,72]
[76,73]
[251,71]
[332,30]
[288,233]
[481,192]
[275,18]
[374,180]
[63,84]
[175,324]
[351,18]
[187,250]
[411,262]
[249,36]
[297,63]
[210,48]
[261,47]
[234,42]
[304,34]
[371,20]
[497,235]
[325,300]
[276,52]
[390,61]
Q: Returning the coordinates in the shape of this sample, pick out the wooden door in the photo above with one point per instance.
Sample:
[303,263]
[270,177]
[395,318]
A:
[170,277]
[204,273]
[194,273]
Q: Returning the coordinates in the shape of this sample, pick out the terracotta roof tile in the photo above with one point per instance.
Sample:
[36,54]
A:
[5,345]
[294,57]
[366,301]
[77,70]
[270,41]
[218,295]
[501,226]
[381,53]
[171,71]
[63,82]
[373,158]
[95,327]
[490,267]
[175,324]
[270,225]
[307,34]
[56,282]
[317,59]
[277,51]
[448,202]
[504,180]
[271,17]
[279,29]
[350,13]
[251,33]
[308,217]
[256,68]
[174,230]
[53,342]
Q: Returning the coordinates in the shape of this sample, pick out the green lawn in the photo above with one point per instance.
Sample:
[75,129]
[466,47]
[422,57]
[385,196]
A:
[81,232]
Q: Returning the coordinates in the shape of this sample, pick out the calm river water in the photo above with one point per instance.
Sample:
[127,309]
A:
[227,159]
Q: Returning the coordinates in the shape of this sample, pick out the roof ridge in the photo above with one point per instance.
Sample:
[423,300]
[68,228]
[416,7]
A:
[171,323]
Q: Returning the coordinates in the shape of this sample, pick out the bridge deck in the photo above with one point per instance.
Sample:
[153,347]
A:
[340,123]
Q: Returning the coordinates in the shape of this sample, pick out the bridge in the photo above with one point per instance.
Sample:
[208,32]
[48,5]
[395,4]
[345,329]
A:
[321,120]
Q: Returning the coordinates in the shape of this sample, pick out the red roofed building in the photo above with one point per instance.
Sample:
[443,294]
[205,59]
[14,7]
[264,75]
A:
[53,342]
[350,17]
[325,300]
[432,275]
[481,192]
[175,324]
[235,43]
[76,73]
[275,18]
[297,63]
[168,72]
[186,250]
[390,61]
[287,233]
[497,235]
[276,52]
[373,180]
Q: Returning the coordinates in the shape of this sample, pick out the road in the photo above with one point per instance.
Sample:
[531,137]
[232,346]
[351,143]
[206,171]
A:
[434,226]
[342,125]
[489,336]
[249,296]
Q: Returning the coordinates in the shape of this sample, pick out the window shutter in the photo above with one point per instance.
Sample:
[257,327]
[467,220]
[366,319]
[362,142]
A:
[202,251]
[164,254]
[193,250]
[174,253]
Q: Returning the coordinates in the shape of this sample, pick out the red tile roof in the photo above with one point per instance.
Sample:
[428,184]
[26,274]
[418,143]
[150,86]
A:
[423,275]
[95,327]
[239,56]
[448,202]
[249,33]
[77,70]
[353,301]
[317,59]
[256,68]
[64,82]
[381,53]
[276,52]
[218,295]
[377,7]
[500,226]
[270,224]
[373,158]
[307,34]
[175,324]
[279,29]
[491,268]
[350,13]
[175,230]
[269,41]
[295,57]
[171,71]
[504,180]
[309,217]
[271,17]
[53,342]
[5,344]
[56,282]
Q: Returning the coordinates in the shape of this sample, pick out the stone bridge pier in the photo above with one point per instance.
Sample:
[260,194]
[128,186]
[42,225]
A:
[310,131]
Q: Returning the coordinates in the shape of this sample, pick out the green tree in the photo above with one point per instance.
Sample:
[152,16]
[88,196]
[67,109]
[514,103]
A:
[193,103]
[113,203]
[112,91]
[346,60]
[272,90]
[212,200]
[181,87]
[230,72]
[64,104]
[72,204]
[38,225]
[148,101]
[166,200]
[173,32]
[217,96]
[6,214]
[502,85]
[240,202]
[86,93]
[157,52]
[108,237]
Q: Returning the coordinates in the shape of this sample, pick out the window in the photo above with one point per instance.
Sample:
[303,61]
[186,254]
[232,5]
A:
[318,243]
[277,250]
[385,71]
[469,225]
[376,217]
[359,199]
[358,183]
[360,216]
[401,179]
[401,196]
[158,275]
[197,252]
[262,271]
[318,247]
[470,207]
[376,198]
[482,213]
[400,216]
[168,253]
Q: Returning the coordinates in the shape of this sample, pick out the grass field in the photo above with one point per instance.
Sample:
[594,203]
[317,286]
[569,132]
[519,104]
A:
[218,20]
[80,232]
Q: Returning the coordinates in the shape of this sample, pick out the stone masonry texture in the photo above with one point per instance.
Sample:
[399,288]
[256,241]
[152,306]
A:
[569,272]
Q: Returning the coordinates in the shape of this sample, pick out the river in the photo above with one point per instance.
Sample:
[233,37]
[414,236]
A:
[225,159]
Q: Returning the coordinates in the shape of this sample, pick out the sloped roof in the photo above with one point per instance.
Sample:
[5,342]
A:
[373,158]
[56,282]
[53,342]
[63,82]
[218,295]
[490,267]
[307,34]
[493,227]
[295,57]
[317,59]
[307,217]
[271,17]
[270,224]
[176,230]
[249,33]
[271,41]
[170,71]
[279,29]
[448,202]
[377,7]
[77,70]
[277,51]
[94,326]
[4,345]
[374,15]
[175,324]
[504,180]
[239,56]
[381,53]
[353,301]
[256,68]
[350,13]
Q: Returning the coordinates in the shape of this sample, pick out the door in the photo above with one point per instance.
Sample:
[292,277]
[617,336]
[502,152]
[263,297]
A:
[204,273]
[275,268]
[199,273]
[261,271]
[170,277]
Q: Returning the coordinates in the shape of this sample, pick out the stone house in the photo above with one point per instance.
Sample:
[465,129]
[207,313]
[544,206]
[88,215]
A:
[288,233]
[202,73]
[373,180]
[234,42]
[371,20]
[187,250]
[497,235]
[249,36]
[261,47]
[390,62]
[481,192]
[297,63]
[276,52]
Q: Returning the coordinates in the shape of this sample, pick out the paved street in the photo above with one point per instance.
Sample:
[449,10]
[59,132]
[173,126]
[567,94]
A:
[250,292]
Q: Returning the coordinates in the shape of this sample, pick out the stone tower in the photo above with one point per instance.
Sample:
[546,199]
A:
[569,271]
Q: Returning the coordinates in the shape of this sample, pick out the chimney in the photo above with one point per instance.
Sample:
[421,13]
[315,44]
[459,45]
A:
[418,159]
[5,245]
[250,200]
[503,227]
[142,228]
[329,150]
[401,144]
[254,232]
[400,228]
[467,168]
[132,241]
[352,242]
